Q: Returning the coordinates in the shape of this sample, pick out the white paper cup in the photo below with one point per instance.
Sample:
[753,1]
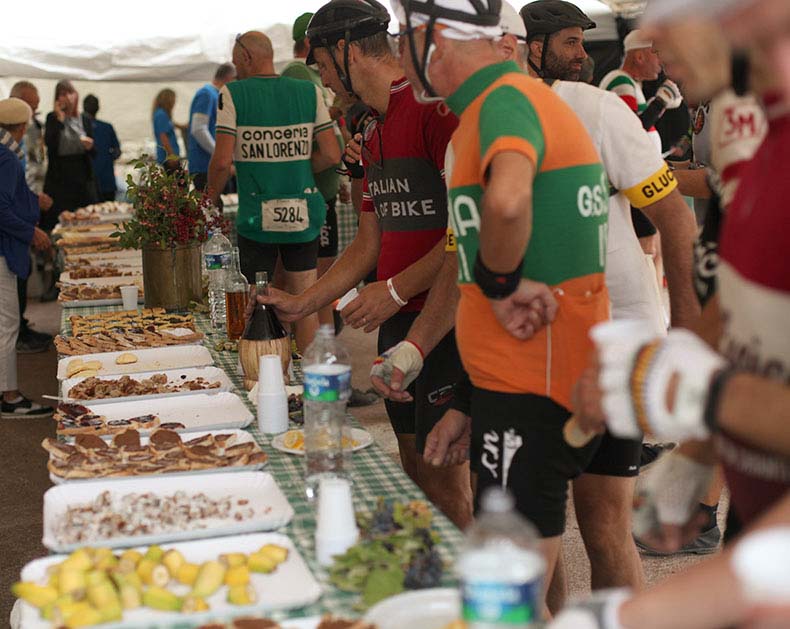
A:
[273,412]
[270,374]
[129,297]
[347,299]
[336,527]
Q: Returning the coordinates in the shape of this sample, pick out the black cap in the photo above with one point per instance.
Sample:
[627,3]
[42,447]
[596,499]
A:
[544,17]
[345,19]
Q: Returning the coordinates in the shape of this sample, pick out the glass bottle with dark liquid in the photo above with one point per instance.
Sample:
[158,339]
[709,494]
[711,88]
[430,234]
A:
[237,292]
[263,334]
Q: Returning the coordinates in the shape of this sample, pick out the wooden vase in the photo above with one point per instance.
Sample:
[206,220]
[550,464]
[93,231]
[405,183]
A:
[250,352]
[172,276]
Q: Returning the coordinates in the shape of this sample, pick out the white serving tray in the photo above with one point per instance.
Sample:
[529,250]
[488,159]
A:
[201,412]
[124,255]
[211,374]
[291,586]
[137,280]
[241,436]
[272,509]
[151,359]
[421,609]
[358,434]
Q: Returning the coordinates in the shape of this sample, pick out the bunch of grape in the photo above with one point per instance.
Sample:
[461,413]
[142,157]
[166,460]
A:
[383,522]
[424,571]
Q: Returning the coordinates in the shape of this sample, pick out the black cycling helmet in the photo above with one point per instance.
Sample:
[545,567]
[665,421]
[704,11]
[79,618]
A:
[545,17]
[481,13]
[349,20]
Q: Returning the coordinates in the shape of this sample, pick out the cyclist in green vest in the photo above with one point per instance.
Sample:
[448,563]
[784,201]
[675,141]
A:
[266,126]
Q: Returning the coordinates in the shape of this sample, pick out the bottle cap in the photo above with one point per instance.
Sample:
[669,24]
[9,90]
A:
[496,500]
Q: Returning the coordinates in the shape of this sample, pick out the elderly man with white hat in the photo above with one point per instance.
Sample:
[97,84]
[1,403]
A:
[19,213]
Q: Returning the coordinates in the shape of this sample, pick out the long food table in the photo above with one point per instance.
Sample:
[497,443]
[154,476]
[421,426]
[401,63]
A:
[374,474]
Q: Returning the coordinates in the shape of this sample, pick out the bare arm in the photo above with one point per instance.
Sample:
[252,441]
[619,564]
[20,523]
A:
[327,153]
[693,183]
[678,229]
[421,275]
[506,222]
[438,315]
[165,143]
[219,167]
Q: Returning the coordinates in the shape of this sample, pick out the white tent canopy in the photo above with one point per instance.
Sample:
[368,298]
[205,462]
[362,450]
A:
[155,40]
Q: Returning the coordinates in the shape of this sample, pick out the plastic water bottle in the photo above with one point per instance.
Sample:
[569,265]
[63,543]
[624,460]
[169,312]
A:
[501,568]
[327,388]
[216,260]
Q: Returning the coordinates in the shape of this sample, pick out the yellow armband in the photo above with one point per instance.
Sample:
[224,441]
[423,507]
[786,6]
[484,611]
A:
[652,189]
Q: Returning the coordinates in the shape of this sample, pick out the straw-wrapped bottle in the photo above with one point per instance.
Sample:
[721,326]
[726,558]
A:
[263,334]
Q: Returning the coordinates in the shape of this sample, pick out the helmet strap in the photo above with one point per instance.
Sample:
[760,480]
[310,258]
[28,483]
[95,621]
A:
[421,65]
[540,71]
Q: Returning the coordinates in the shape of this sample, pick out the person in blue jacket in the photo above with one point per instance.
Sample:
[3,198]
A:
[108,149]
[19,213]
[203,124]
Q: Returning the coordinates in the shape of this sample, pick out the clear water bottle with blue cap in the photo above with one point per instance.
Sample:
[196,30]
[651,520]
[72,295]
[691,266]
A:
[216,260]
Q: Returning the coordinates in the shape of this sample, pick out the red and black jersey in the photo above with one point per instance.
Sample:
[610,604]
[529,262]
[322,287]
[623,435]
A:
[403,156]
[754,280]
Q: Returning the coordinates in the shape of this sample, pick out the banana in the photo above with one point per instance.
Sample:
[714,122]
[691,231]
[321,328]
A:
[103,595]
[111,613]
[159,598]
[36,595]
[106,562]
[49,610]
[53,580]
[242,595]
[278,553]
[193,605]
[231,560]
[131,597]
[155,553]
[173,560]
[187,573]
[85,616]
[258,562]
[129,560]
[152,573]
[239,575]
[65,608]
[96,577]
[209,579]
[80,560]
[71,582]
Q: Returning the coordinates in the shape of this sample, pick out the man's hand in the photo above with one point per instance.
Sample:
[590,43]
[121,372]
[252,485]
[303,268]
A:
[44,201]
[41,241]
[287,307]
[395,370]
[87,142]
[372,307]
[666,515]
[448,443]
[527,310]
[353,152]
[586,401]
[669,94]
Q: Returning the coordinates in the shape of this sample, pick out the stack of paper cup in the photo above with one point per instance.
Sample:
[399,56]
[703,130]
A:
[336,527]
[272,398]
[129,297]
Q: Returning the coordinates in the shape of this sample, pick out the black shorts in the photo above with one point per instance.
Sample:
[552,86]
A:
[327,238]
[433,389]
[260,256]
[517,443]
[642,225]
[616,457]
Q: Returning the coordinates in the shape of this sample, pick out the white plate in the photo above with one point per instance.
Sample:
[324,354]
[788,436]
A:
[272,509]
[90,303]
[137,280]
[211,374]
[201,412]
[358,434]
[240,436]
[421,609]
[173,357]
[291,586]
[125,255]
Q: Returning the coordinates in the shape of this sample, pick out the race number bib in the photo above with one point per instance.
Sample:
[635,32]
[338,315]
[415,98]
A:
[284,215]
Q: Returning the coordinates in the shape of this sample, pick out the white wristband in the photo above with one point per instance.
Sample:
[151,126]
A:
[394,294]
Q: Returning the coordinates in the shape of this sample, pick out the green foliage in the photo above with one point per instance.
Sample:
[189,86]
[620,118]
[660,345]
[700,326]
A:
[166,212]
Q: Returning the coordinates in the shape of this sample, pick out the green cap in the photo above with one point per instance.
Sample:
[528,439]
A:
[300,26]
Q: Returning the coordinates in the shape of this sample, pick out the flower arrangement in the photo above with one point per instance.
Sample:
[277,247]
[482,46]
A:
[167,213]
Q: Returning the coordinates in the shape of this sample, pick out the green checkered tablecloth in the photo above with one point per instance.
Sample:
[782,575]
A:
[374,472]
